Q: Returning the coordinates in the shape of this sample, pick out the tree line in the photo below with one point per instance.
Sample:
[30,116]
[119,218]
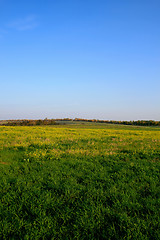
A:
[46,121]
[136,123]
[38,122]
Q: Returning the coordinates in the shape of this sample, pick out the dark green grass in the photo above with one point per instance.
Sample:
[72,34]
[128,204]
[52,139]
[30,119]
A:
[79,183]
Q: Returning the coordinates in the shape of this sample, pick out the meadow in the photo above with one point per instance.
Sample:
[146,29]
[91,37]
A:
[79,181]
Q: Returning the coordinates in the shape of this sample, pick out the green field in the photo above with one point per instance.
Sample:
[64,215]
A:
[86,181]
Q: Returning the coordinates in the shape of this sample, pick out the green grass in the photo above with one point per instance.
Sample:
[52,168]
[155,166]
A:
[81,181]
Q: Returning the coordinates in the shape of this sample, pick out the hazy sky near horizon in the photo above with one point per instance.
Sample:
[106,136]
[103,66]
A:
[80,58]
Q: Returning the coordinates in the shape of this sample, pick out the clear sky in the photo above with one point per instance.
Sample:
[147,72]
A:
[80,58]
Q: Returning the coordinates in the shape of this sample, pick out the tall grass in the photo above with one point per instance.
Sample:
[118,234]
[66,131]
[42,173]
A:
[79,182]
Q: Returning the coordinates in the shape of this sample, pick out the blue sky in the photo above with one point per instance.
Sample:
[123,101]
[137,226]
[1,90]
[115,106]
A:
[80,58]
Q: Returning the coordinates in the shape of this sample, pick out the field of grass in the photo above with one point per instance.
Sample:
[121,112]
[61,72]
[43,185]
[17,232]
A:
[91,181]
